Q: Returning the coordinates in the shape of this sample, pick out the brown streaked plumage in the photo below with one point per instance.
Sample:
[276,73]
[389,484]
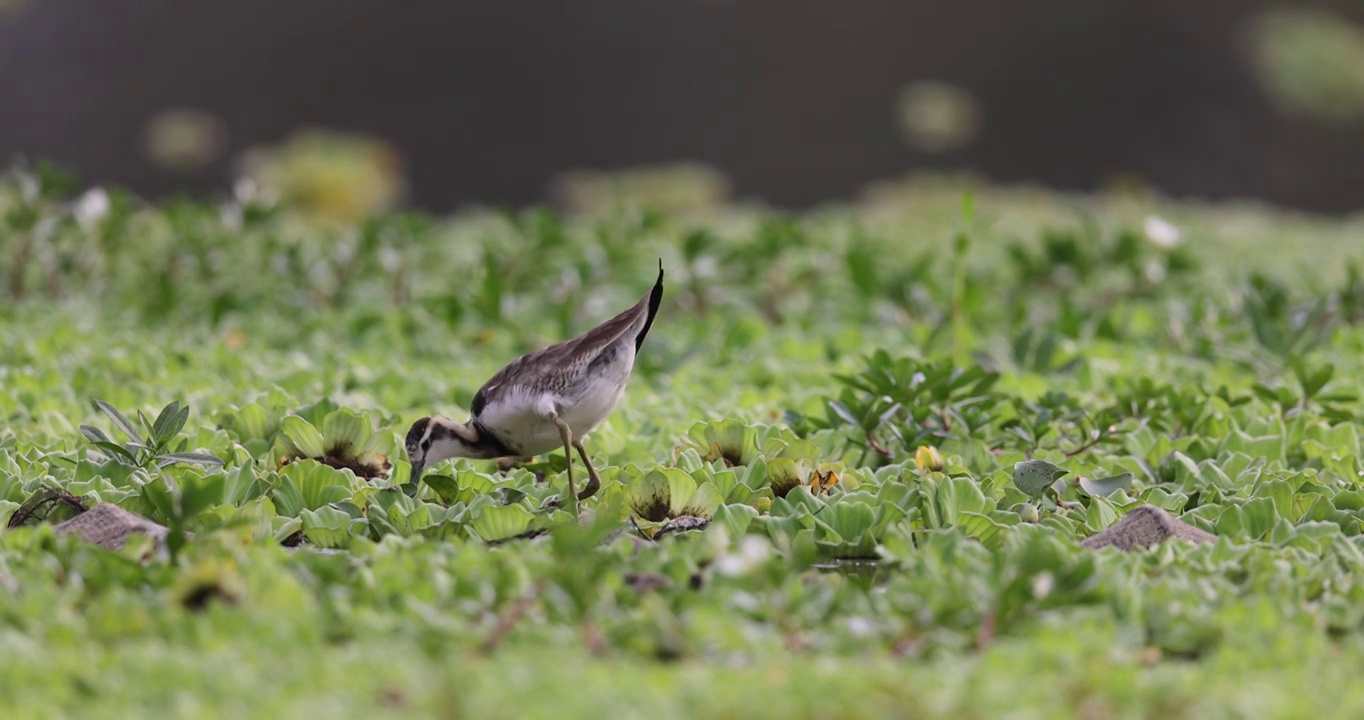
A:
[545,399]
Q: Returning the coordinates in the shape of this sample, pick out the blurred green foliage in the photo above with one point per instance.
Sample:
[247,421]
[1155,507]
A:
[809,505]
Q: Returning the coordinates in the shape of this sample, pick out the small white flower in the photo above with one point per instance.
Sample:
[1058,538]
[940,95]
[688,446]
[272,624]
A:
[1155,271]
[1042,584]
[746,602]
[244,190]
[753,551]
[247,191]
[29,187]
[859,626]
[92,207]
[390,259]
[1161,232]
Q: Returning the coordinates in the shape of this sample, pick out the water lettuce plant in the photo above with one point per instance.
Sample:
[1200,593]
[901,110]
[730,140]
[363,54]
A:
[852,478]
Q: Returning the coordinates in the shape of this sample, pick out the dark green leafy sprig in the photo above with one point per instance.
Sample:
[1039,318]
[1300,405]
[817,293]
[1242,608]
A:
[1283,326]
[149,445]
[894,405]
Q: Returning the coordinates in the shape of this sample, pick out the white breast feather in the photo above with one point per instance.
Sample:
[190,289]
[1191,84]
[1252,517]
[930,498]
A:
[518,419]
[520,416]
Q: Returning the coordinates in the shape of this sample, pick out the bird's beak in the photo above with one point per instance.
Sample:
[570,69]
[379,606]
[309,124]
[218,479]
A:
[416,475]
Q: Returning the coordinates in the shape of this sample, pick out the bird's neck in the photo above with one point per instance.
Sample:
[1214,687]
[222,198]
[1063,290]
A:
[468,440]
[490,445]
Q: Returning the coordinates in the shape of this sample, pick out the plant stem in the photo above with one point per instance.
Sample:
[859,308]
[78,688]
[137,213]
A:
[960,353]
[508,619]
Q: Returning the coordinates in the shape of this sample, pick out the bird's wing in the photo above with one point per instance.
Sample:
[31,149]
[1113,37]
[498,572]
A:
[534,368]
[633,322]
[556,366]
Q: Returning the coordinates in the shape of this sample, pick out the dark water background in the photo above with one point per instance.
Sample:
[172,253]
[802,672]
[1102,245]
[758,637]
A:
[792,99]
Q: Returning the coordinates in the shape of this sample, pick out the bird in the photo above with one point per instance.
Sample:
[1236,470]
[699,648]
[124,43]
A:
[546,399]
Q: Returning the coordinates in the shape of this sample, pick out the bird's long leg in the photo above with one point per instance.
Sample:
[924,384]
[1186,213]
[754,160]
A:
[593,482]
[566,433]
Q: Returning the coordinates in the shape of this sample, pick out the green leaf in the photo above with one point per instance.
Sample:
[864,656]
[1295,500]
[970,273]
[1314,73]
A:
[847,520]
[329,527]
[649,496]
[304,440]
[258,515]
[956,495]
[1349,500]
[240,486]
[193,458]
[1259,516]
[845,530]
[158,497]
[783,475]
[94,434]
[730,440]
[502,522]
[286,528]
[1034,476]
[164,428]
[199,494]
[350,508]
[985,530]
[681,488]
[1280,492]
[287,497]
[120,421]
[736,519]
[800,501]
[1104,487]
[409,522]
[252,423]
[1231,522]
[703,502]
[473,485]
[1100,515]
[446,487]
[1312,381]
[344,430]
[319,484]
[117,451]
[844,413]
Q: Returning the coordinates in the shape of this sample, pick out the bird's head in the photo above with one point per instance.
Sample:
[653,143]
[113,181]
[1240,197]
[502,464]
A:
[437,438]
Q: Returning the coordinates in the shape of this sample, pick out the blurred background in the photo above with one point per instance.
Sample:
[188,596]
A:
[438,105]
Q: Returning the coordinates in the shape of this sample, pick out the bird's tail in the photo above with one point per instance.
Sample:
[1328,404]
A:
[655,299]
